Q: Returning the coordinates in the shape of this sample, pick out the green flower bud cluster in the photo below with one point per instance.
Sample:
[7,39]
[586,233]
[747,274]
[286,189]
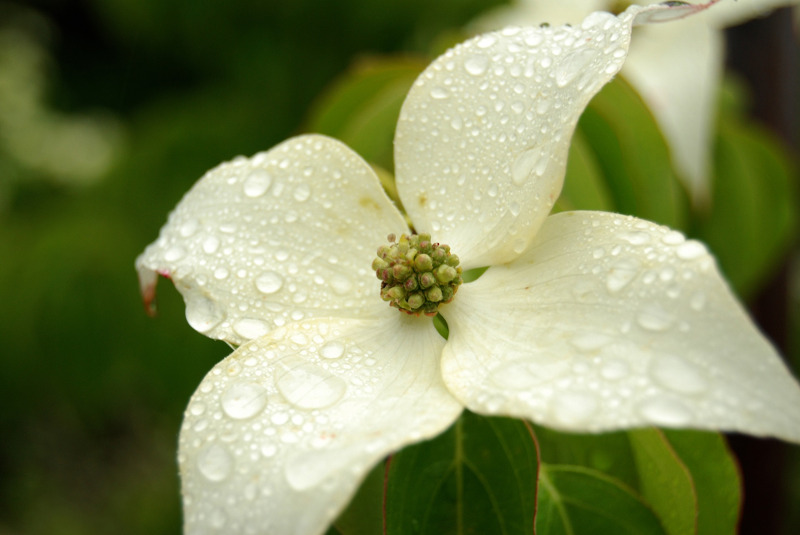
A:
[417,275]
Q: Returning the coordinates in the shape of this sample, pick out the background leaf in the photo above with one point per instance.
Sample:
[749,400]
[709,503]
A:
[478,477]
[576,500]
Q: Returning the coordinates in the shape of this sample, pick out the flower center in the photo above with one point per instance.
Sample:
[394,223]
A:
[416,274]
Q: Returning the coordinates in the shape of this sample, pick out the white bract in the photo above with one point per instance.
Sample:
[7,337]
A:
[584,321]
[676,68]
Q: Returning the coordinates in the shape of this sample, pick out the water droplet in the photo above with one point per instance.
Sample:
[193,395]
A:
[621,273]
[665,410]
[250,328]
[476,65]
[332,350]
[202,313]
[257,183]
[573,408]
[636,238]
[590,341]
[521,374]
[526,163]
[174,253]
[486,41]
[572,65]
[188,228]
[673,237]
[302,193]
[308,386]
[440,93]
[698,301]
[341,284]
[690,250]
[676,374]
[244,400]
[614,370]
[211,244]
[654,318]
[214,462]
[269,282]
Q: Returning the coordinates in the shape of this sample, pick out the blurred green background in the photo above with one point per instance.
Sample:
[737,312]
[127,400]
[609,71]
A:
[109,111]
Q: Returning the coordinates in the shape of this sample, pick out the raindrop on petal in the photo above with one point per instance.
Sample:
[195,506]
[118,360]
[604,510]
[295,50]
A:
[244,400]
[214,462]
[257,183]
[308,386]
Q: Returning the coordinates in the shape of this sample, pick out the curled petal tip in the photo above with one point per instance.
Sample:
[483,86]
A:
[667,11]
[147,286]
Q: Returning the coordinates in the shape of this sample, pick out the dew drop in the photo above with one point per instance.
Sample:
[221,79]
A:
[332,350]
[188,228]
[636,238]
[525,164]
[621,274]
[572,65]
[698,301]
[486,41]
[202,313]
[476,65]
[589,342]
[257,183]
[673,237]
[244,400]
[573,408]
[654,318]
[214,462]
[614,370]
[678,375]
[269,282]
[308,386]
[440,93]
[521,374]
[210,245]
[341,284]
[302,193]
[250,328]
[174,253]
[690,250]
[664,410]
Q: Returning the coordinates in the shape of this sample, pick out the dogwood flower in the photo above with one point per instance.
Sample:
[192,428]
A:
[676,68]
[584,321]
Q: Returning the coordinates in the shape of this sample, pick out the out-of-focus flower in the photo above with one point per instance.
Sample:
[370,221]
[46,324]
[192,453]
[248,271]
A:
[676,68]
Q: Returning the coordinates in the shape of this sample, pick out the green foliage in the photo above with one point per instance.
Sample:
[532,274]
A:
[500,475]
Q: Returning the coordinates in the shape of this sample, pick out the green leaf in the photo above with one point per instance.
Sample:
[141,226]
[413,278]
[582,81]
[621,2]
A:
[633,157]
[664,481]
[682,475]
[577,500]
[585,187]
[716,479]
[478,477]
[362,107]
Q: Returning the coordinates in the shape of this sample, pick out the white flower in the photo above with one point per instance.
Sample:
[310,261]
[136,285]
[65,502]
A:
[584,321]
[676,68]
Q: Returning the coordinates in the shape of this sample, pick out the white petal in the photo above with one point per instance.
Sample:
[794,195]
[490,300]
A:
[731,13]
[612,322]
[483,135]
[279,435]
[286,234]
[677,68]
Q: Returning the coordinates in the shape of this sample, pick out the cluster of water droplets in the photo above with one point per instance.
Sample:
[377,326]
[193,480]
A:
[484,133]
[633,330]
[262,403]
[264,241]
